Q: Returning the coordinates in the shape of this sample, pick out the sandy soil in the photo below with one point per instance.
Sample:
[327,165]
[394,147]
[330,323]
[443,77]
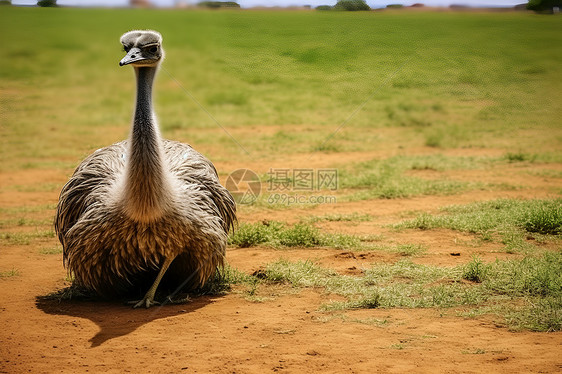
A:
[288,334]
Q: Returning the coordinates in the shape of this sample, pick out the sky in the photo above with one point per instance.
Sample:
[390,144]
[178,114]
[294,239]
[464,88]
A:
[314,3]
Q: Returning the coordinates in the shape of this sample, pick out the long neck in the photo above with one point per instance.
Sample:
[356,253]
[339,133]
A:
[146,187]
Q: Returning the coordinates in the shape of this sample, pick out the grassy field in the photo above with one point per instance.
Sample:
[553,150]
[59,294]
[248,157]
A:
[391,79]
[444,127]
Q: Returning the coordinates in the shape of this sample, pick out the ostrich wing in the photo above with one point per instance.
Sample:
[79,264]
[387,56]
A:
[192,168]
[90,179]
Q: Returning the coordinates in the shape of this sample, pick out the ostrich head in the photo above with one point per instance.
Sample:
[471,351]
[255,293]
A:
[143,47]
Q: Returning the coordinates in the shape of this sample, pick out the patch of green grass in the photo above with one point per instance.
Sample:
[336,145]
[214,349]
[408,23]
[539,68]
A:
[327,147]
[474,351]
[386,178]
[434,139]
[25,238]
[546,173]
[345,318]
[539,315]
[404,187]
[223,280]
[403,284]
[25,209]
[537,281]
[519,157]
[507,220]
[409,249]
[441,162]
[371,301]
[476,270]
[407,115]
[278,235]
[300,235]
[343,241]
[544,218]
[353,217]
[22,221]
[56,250]
[534,282]
[9,273]
[299,274]
[41,187]
[227,98]
[530,277]
[252,234]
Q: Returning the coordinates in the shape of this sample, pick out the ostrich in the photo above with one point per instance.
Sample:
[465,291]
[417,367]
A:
[144,209]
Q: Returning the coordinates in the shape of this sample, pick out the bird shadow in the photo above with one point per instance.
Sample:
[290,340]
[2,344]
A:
[113,318]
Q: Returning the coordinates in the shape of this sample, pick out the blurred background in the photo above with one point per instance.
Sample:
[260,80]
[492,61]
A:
[283,82]
[270,3]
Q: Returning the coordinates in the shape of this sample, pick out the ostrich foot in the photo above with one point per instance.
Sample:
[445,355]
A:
[148,299]
[147,302]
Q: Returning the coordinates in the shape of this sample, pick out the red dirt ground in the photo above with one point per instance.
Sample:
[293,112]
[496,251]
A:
[287,334]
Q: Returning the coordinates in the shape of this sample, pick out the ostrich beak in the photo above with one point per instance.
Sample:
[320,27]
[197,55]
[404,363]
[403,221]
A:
[134,55]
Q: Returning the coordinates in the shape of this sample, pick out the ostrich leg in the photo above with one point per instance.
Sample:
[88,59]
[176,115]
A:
[148,299]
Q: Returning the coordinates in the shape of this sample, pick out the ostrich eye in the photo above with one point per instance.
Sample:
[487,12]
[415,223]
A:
[153,49]
[126,49]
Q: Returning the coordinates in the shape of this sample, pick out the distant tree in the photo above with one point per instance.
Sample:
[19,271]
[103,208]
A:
[219,4]
[47,3]
[351,5]
[544,6]
[5,2]
[139,3]
[324,7]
